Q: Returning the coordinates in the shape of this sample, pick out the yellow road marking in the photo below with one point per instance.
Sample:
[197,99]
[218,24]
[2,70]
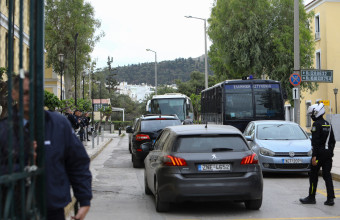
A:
[324,192]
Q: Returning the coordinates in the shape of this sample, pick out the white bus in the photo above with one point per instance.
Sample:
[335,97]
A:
[171,103]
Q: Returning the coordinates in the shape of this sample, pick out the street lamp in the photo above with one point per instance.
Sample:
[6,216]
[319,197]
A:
[75,69]
[205,48]
[155,69]
[336,105]
[61,62]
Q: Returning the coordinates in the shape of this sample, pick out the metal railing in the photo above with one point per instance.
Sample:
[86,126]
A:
[19,179]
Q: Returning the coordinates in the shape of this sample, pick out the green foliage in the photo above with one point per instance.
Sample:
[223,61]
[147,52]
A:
[196,103]
[121,124]
[51,101]
[255,37]
[106,110]
[194,86]
[161,90]
[63,20]
[167,71]
[84,105]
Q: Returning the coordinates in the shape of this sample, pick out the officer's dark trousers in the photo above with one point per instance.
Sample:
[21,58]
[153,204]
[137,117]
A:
[326,163]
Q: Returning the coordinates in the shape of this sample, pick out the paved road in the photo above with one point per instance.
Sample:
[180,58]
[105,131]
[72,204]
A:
[119,194]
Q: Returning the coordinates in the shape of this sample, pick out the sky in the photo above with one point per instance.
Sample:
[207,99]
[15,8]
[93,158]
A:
[132,26]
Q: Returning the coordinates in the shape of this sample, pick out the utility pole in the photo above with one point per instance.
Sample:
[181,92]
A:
[296,58]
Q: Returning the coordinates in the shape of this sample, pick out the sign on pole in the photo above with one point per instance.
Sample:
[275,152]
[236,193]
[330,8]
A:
[313,75]
[296,93]
[325,102]
[295,79]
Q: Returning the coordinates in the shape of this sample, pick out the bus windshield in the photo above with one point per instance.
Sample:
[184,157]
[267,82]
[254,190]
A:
[239,102]
[169,107]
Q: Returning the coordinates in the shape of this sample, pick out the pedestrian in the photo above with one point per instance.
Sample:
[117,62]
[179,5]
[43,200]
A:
[323,143]
[87,121]
[81,123]
[66,160]
[72,118]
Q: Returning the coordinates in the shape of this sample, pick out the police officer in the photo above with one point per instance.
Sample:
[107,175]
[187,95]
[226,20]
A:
[323,143]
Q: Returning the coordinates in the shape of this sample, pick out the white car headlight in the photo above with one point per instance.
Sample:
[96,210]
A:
[310,153]
[266,152]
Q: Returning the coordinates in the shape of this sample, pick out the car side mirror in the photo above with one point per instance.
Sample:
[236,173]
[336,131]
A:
[249,138]
[129,129]
[147,147]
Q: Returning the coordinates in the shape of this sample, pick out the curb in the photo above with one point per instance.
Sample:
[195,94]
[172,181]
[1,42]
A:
[70,207]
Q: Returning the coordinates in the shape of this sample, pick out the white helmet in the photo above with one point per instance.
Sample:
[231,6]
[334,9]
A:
[317,110]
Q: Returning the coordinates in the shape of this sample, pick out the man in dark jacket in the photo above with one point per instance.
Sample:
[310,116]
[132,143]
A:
[323,143]
[67,162]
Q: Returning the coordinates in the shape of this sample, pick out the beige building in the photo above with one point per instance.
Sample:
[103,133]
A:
[325,27]
[4,22]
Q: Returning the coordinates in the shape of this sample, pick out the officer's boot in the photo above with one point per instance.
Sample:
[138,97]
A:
[329,201]
[308,200]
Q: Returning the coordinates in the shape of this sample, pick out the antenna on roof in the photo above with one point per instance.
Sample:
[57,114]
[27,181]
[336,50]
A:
[206,125]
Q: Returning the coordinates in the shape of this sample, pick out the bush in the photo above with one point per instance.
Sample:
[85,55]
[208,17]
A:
[121,124]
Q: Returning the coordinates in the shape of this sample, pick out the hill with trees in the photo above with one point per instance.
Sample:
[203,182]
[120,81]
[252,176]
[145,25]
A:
[167,71]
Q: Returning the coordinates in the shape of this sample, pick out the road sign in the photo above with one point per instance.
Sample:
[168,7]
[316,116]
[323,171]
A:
[296,93]
[295,79]
[325,76]
[325,102]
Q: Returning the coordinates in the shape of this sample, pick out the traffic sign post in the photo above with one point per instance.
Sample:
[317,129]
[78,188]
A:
[316,75]
[296,94]
[295,79]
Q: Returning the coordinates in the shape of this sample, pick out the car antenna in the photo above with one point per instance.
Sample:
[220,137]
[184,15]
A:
[206,125]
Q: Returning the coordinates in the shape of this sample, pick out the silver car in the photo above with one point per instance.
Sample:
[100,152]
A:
[282,146]
[202,163]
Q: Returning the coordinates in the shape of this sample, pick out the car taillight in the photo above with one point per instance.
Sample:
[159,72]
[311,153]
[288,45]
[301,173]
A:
[174,161]
[142,137]
[251,159]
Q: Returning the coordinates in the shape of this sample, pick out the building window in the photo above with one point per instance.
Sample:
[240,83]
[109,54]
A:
[98,106]
[318,59]
[308,118]
[317,27]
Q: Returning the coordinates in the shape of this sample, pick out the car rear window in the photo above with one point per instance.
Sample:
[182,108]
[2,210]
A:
[207,144]
[155,125]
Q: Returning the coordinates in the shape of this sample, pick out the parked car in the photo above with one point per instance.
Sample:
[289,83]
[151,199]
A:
[146,130]
[202,163]
[282,146]
[131,128]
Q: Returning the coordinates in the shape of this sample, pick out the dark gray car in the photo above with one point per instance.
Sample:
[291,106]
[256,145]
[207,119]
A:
[202,163]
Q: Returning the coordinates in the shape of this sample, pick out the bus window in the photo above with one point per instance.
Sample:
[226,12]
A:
[238,102]
[266,100]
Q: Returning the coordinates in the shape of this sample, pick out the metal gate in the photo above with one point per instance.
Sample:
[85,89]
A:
[22,184]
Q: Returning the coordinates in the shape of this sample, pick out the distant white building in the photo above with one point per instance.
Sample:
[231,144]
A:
[135,92]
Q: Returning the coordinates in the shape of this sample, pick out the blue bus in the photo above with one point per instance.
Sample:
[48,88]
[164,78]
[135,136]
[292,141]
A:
[237,102]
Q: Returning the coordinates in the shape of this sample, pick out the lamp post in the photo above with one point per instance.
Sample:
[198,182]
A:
[61,61]
[75,69]
[205,48]
[335,90]
[155,69]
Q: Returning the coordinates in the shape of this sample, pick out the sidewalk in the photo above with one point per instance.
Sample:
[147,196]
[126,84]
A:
[336,162]
[93,149]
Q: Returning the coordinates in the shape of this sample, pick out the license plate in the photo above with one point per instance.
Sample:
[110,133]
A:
[214,167]
[292,161]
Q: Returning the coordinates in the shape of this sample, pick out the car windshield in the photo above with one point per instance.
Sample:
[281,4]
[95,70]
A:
[208,144]
[280,132]
[156,125]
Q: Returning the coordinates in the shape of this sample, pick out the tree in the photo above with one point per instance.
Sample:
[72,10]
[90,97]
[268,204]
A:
[65,19]
[255,37]
[105,111]
[194,86]
[51,101]
[196,104]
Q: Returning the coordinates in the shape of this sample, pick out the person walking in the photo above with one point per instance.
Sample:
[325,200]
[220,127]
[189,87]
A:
[66,160]
[323,143]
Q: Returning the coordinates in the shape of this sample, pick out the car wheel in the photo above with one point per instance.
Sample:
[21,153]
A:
[146,188]
[253,204]
[136,163]
[160,206]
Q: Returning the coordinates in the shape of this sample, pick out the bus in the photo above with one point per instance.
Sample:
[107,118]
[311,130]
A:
[170,104]
[237,102]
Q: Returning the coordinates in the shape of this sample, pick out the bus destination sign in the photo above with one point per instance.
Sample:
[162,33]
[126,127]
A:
[315,75]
